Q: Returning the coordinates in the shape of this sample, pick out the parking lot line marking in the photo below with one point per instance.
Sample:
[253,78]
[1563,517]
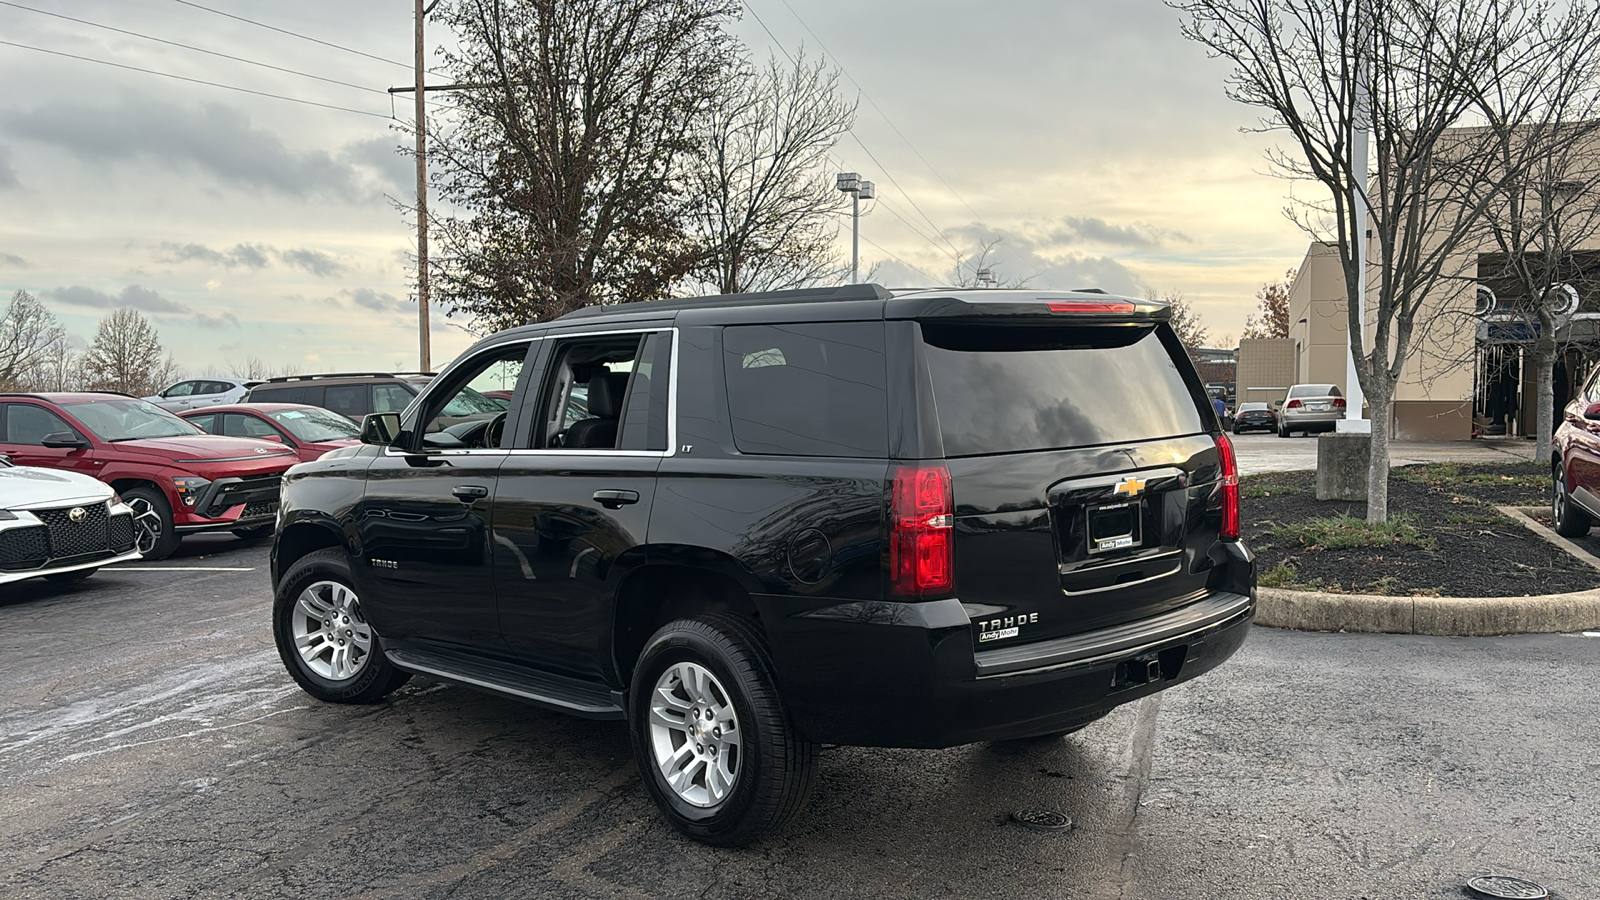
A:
[1591,634]
[189,569]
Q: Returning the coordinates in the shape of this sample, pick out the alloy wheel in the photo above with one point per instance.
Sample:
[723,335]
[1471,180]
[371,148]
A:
[694,734]
[333,638]
[1558,497]
[147,525]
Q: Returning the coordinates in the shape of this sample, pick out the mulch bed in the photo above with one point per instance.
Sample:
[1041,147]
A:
[1473,551]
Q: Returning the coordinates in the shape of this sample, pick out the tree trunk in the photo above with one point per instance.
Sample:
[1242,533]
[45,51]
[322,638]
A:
[1544,362]
[1380,402]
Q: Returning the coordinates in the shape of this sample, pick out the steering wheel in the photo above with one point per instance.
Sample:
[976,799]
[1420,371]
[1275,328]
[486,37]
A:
[495,431]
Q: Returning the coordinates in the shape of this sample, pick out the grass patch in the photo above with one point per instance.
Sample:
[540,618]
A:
[1451,476]
[1251,490]
[1348,533]
[1281,575]
[1474,517]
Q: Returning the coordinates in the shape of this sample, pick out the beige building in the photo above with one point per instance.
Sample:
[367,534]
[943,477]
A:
[1266,369]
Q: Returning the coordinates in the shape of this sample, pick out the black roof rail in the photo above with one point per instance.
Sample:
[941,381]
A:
[41,395]
[282,378]
[804,295]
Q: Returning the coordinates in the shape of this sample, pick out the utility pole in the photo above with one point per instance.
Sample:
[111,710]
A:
[424,353]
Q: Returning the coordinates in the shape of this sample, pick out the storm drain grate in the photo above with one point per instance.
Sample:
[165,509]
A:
[1499,886]
[1041,820]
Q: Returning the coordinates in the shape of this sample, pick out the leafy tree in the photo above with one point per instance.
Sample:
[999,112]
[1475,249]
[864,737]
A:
[765,199]
[127,356]
[566,167]
[1272,320]
[28,334]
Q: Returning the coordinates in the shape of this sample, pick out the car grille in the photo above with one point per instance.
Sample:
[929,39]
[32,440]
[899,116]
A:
[24,548]
[120,531]
[69,538]
[248,491]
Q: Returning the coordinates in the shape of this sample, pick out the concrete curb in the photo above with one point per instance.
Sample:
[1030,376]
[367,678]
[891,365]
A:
[1456,616]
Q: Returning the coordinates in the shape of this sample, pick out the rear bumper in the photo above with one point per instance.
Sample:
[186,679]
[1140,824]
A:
[906,674]
[1319,419]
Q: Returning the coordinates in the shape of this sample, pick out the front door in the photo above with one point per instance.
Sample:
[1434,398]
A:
[574,499]
[425,568]
[23,428]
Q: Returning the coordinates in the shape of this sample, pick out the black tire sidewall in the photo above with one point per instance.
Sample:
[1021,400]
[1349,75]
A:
[699,642]
[169,531]
[376,678]
[1569,519]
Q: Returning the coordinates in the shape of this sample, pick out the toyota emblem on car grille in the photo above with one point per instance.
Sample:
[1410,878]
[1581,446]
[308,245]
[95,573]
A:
[78,514]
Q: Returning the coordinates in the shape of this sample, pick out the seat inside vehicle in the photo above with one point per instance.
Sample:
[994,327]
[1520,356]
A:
[599,431]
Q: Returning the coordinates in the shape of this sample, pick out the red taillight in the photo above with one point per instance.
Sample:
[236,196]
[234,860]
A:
[922,517]
[1091,306]
[1338,403]
[1230,488]
[1292,404]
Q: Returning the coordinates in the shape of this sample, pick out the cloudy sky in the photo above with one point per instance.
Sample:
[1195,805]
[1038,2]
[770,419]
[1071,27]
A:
[1086,135]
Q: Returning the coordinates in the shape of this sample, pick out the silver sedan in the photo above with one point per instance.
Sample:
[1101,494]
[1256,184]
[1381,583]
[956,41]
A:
[1311,407]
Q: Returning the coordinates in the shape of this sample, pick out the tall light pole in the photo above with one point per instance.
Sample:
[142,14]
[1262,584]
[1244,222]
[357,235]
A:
[424,352]
[851,183]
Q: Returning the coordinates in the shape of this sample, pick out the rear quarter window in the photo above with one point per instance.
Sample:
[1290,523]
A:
[1008,388]
[807,390]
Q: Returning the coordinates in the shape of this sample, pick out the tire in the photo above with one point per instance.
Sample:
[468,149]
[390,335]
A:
[316,605]
[71,577]
[1570,520]
[251,535]
[153,532]
[721,662]
[1283,432]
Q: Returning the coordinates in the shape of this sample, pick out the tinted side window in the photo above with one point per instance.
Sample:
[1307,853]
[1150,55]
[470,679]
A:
[27,424]
[347,400]
[390,398]
[1002,389]
[807,390]
[183,389]
[206,422]
[644,420]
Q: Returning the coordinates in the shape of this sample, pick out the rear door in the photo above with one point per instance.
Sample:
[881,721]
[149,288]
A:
[1082,469]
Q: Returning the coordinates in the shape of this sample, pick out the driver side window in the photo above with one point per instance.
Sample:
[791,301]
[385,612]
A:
[457,414]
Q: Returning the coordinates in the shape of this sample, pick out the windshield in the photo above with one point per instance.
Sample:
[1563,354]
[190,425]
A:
[130,420]
[315,425]
[469,402]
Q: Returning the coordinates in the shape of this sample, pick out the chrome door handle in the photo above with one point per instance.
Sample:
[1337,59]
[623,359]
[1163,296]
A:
[467,493]
[615,499]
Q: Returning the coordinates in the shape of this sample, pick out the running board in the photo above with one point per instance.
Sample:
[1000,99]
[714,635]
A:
[556,692]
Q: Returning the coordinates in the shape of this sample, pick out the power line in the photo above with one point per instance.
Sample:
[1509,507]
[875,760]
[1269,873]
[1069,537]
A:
[228,87]
[886,118]
[855,137]
[296,34]
[781,49]
[147,37]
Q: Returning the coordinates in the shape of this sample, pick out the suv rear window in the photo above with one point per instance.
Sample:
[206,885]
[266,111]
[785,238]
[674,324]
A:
[1008,388]
[807,390]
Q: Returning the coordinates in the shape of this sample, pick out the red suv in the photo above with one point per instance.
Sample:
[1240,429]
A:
[177,478]
[309,430]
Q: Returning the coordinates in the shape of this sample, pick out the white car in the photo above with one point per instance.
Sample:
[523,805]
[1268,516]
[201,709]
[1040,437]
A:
[198,392]
[60,525]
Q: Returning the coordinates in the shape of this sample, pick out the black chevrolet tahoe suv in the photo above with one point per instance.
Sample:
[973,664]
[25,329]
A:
[781,520]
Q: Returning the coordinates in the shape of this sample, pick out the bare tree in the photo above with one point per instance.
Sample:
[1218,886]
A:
[254,368]
[127,356]
[28,332]
[1329,72]
[58,369]
[566,166]
[982,269]
[1192,332]
[1271,319]
[764,199]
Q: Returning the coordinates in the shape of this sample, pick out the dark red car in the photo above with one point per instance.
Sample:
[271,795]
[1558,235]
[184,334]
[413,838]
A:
[1575,465]
[177,478]
[310,431]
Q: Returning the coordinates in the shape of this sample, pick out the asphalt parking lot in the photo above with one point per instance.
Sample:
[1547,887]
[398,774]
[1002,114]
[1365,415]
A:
[151,747]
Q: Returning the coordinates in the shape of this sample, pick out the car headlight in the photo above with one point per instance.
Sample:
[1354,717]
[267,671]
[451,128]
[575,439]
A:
[189,488]
[7,515]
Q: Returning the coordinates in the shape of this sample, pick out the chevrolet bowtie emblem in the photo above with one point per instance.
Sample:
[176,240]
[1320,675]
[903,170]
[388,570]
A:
[1130,486]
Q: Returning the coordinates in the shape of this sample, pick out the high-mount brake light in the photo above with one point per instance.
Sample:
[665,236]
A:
[922,519]
[1091,306]
[1229,462]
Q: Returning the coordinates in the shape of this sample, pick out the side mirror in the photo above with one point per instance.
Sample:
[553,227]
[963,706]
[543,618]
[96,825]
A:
[380,428]
[1590,412]
[63,440]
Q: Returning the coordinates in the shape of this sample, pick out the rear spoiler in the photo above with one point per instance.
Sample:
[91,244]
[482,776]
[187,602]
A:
[1082,306]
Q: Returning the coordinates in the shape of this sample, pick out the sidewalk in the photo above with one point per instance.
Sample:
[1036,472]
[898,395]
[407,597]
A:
[1269,453]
